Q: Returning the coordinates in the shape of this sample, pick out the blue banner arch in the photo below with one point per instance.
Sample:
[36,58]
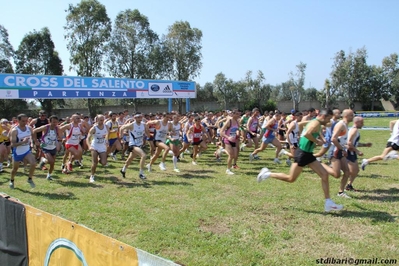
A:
[20,86]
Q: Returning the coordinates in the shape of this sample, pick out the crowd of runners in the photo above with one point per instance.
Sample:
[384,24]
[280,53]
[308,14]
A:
[38,142]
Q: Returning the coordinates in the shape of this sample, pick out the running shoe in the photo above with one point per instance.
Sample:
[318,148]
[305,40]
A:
[263,175]
[364,163]
[229,172]
[391,155]
[251,157]
[349,187]
[282,152]
[343,195]
[123,173]
[332,206]
[276,161]
[162,166]
[31,183]
[11,185]
[142,176]
[92,179]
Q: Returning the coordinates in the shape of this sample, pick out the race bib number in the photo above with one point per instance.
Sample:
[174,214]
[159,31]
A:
[50,142]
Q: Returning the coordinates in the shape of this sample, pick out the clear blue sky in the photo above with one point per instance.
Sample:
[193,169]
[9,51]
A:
[271,36]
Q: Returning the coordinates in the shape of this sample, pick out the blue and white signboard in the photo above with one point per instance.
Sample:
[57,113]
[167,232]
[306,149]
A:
[18,86]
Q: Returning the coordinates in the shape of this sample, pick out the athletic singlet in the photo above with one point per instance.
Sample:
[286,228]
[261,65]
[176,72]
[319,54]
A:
[244,120]
[162,132]
[137,134]
[232,131]
[197,134]
[343,136]
[254,124]
[355,140]
[294,133]
[22,149]
[49,139]
[112,126]
[305,144]
[187,125]
[395,134]
[38,124]
[99,136]
[151,128]
[120,123]
[74,135]
[3,135]
[176,131]
[269,133]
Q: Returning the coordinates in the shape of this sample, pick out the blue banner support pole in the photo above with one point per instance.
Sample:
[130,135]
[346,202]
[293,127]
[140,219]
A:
[170,105]
[187,105]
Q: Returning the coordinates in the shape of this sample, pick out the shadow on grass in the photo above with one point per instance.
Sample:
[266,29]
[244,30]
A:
[374,216]
[365,175]
[52,196]
[169,183]
[149,183]
[382,195]
[84,183]
[195,174]
[126,184]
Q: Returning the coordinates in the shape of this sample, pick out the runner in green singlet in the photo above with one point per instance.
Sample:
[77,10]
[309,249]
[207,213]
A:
[311,136]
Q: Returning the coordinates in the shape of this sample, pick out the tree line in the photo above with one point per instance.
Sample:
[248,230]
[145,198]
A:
[129,48]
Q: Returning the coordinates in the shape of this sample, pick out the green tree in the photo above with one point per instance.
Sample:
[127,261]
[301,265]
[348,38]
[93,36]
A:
[349,75]
[134,52]
[339,77]
[205,93]
[328,96]
[297,81]
[224,89]
[88,29]
[6,51]
[8,107]
[258,91]
[390,68]
[285,91]
[36,55]
[310,94]
[376,88]
[182,44]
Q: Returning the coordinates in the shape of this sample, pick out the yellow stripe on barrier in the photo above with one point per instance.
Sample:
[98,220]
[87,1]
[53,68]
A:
[56,241]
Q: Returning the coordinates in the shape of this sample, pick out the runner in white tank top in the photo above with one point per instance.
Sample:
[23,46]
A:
[72,146]
[293,136]
[392,147]
[50,143]
[137,130]
[20,137]
[353,152]
[163,127]
[98,134]
[339,161]
[174,140]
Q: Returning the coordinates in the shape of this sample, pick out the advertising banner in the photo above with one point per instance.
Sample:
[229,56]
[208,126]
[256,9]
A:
[18,86]
[56,241]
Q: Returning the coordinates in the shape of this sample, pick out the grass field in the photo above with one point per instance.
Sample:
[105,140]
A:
[202,216]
